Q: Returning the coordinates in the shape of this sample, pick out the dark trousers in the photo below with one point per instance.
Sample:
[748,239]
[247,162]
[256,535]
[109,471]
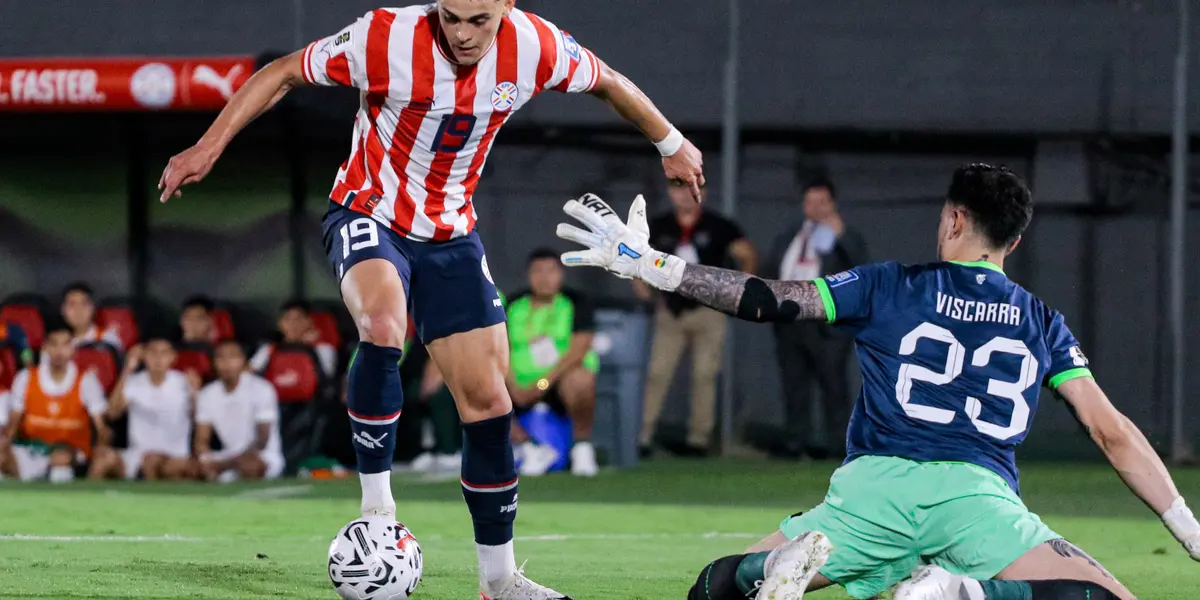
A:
[808,353]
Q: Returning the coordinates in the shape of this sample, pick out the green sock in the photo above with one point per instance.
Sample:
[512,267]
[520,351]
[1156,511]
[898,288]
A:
[1006,590]
[750,571]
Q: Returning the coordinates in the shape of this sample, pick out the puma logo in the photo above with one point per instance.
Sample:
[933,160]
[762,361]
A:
[369,442]
[206,75]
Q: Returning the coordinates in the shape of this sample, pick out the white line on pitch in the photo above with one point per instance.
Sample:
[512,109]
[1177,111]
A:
[282,491]
[23,537]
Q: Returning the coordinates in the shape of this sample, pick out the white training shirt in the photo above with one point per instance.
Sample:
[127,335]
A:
[234,415]
[160,418]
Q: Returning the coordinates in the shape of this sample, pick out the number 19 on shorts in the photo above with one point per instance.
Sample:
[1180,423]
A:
[356,235]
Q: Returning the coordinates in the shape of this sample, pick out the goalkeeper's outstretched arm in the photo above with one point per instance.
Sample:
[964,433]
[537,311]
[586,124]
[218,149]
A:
[749,298]
[1133,458]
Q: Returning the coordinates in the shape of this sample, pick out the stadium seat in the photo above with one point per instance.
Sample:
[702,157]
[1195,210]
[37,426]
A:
[8,367]
[222,325]
[103,359]
[295,372]
[122,316]
[30,317]
[327,328]
[196,357]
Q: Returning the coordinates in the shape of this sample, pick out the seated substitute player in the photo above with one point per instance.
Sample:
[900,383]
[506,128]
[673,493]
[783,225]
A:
[296,327]
[951,355]
[437,81]
[53,410]
[550,336]
[242,409]
[159,402]
[78,308]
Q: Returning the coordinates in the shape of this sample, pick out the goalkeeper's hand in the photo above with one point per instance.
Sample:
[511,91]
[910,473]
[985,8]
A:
[1182,524]
[621,247]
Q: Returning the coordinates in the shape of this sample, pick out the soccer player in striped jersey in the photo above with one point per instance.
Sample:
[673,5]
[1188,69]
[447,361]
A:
[953,354]
[436,83]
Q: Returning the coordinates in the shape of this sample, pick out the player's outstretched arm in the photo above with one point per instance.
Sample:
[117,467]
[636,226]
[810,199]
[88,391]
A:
[624,249]
[1133,458]
[682,162]
[262,91]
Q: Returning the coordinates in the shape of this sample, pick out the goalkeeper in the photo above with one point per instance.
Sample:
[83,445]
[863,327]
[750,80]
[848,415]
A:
[951,353]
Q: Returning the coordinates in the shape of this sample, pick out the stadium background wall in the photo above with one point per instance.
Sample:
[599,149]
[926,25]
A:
[76,191]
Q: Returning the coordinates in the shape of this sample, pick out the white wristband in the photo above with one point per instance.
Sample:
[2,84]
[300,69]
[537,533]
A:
[670,144]
[1180,521]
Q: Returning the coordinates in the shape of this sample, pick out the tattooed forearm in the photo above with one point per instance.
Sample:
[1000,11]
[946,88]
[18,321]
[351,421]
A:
[750,298]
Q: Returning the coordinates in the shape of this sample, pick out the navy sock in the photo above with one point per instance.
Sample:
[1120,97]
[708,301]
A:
[489,479]
[374,398]
[1052,589]
[730,578]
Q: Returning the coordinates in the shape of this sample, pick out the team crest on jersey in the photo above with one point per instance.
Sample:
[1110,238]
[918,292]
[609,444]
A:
[570,45]
[505,96]
[980,278]
[1077,356]
[841,278]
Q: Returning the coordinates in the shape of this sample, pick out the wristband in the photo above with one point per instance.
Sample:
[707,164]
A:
[670,144]
[1180,521]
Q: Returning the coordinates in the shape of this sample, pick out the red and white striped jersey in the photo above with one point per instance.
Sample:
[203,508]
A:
[425,124]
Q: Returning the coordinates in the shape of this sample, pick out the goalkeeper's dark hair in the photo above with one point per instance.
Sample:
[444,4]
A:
[997,199]
[542,253]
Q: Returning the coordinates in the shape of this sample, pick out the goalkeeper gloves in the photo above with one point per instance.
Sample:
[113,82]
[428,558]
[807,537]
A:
[623,248]
[1182,524]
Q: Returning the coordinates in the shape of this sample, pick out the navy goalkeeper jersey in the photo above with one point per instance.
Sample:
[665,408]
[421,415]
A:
[952,355]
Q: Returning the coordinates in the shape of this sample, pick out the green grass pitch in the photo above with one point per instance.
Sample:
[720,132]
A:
[638,534]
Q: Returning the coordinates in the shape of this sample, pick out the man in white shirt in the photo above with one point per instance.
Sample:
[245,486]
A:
[159,403]
[296,327]
[811,352]
[79,310]
[53,408]
[241,408]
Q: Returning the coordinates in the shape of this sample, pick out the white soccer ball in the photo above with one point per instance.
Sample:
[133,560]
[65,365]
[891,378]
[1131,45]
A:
[374,558]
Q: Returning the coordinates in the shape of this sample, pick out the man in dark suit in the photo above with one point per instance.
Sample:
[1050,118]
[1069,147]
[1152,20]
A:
[818,245]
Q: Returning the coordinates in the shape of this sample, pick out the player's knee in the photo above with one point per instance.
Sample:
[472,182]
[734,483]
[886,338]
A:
[383,328]
[61,458]
[578,386]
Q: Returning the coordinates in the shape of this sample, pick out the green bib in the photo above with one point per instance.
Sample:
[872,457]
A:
[540,336]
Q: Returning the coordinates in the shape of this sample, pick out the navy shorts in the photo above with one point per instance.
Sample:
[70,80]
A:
[448,284]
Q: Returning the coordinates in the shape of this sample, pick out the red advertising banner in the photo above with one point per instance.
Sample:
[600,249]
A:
[121,84]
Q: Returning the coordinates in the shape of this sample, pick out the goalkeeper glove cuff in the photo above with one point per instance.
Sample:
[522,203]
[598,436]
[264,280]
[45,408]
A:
[661,270]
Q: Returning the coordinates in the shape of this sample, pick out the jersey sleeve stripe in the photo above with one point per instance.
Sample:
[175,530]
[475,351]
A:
[338,69]
[549,56]
[1068,375]
[826,299]
[306,66]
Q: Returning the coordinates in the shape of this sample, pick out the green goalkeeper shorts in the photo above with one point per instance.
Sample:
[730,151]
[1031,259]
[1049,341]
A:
[886,516]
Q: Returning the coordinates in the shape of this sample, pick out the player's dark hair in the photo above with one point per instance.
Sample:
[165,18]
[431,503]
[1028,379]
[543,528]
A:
[998,201]
[80,287]
[201,301]
[296,304]
[229,342]
[542,253]
[819,183]
[56,324]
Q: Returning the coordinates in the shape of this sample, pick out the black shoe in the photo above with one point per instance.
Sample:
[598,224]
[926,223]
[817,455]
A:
[692,451]
[645,452]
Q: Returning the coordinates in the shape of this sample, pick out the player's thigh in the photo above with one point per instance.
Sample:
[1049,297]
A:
[474,363]
[971,522]
[373,273]
[452,291]
[1060,559]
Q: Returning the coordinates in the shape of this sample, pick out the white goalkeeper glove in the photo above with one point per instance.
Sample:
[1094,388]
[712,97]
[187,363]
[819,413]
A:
[1182,524]
[622,248]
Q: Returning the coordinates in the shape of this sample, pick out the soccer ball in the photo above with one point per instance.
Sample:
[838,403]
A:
[374,558]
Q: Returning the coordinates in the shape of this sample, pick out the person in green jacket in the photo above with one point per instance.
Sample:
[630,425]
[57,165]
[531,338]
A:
[550,332]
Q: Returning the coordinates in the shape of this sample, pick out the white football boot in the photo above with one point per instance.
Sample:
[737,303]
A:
[583,460]
[790,567]
[931,583]
[520,587]
[536,459]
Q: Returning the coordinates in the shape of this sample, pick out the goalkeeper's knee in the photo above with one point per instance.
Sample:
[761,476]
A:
[718,581]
